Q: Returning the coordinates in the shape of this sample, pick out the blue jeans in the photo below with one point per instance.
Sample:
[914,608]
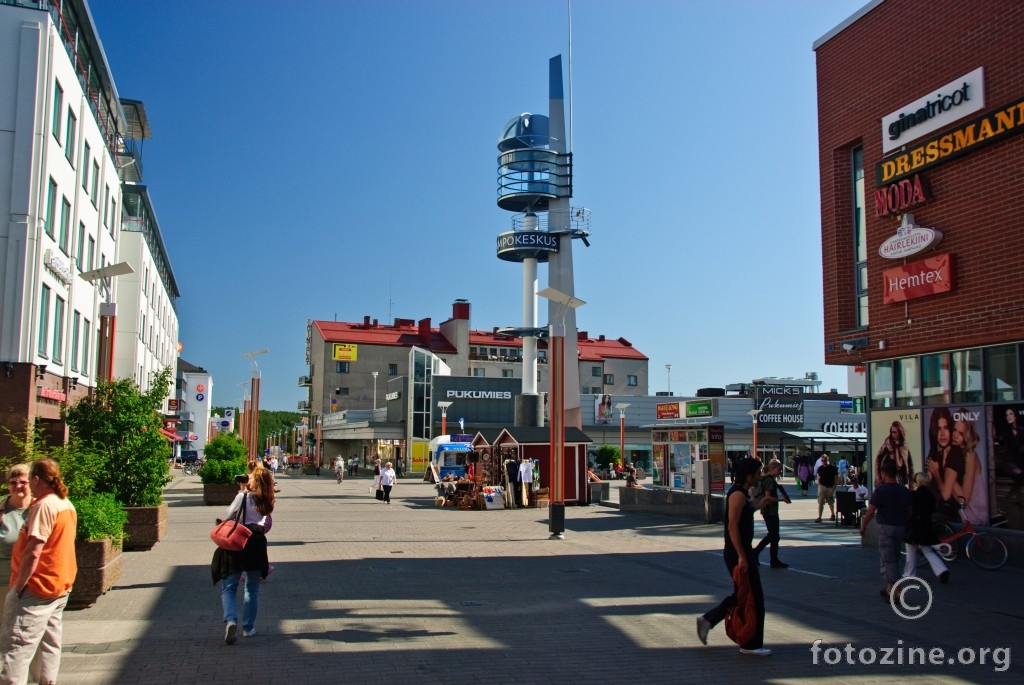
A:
[890,539]
[251,603]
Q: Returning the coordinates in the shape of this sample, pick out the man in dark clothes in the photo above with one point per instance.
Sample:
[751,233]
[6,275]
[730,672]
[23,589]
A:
[891,503]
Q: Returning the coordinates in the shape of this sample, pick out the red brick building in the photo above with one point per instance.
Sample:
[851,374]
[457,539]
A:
[920,116]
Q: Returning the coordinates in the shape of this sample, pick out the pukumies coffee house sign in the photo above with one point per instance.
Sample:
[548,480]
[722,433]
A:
[780,405]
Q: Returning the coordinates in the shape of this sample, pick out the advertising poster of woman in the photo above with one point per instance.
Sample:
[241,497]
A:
[603,408]
[1007,434]
[957,460]
[896,438]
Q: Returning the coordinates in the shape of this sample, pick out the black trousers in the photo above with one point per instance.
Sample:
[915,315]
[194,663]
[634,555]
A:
[771,522]
[387,492]
[717,614]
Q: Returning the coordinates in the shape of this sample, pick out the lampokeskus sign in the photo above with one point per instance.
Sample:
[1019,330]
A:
[515,246]
[956,99]
[909,240]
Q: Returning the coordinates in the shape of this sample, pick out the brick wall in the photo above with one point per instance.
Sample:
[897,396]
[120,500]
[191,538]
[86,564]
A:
[898,52]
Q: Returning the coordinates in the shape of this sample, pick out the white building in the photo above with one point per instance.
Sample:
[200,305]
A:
[193,403]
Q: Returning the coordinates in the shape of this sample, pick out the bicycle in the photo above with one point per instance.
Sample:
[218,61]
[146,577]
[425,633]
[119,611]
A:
[191,467]
[985,550]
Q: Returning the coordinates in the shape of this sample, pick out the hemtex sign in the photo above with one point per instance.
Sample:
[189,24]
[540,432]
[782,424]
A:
[918,279]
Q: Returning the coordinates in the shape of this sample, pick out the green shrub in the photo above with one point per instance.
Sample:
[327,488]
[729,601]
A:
[100,516]
[222,470]
[225,447]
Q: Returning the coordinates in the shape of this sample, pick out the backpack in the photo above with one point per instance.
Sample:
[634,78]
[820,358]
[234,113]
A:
[741,621]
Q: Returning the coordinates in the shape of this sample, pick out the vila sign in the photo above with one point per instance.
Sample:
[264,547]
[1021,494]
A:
[922,278]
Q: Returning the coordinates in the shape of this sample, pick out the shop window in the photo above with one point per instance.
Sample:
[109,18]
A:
[44,322]
[392,369]
[58,330]
[58,107]
[965,368]
[631,381]
[341,367]
[51,206]
[908,385]
[1001,377]
[881,385]
[506,373]
[936,384]
[860,240]
[69,137]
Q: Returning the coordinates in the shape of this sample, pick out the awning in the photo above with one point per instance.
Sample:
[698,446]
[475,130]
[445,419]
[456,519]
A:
[170,435]
[822,436]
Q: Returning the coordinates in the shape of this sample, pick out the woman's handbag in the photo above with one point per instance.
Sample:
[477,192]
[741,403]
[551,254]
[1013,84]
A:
[741,621]
[380,494]
[231,534]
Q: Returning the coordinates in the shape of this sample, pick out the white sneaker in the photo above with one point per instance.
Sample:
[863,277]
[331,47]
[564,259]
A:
[248,633]
[231,633]
[703,628]
[760,651]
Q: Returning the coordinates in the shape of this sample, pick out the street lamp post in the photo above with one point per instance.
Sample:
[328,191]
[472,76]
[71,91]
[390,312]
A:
[375,390]
[444,416]
[753,415]
[556,506]
[668,368]
[621,406]
[108,316]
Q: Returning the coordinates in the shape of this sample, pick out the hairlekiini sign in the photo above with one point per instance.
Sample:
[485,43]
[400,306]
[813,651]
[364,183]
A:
[910,239]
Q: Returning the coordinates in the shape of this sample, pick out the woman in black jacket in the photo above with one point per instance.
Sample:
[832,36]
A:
[920,535]
[256,500]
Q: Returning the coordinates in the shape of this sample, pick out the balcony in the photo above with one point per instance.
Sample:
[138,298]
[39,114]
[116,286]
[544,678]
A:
[303,405]
[305,381]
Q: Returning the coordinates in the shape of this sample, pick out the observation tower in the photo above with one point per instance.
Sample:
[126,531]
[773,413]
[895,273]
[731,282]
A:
[535,183]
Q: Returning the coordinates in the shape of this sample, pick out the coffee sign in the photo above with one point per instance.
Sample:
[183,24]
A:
[779,405]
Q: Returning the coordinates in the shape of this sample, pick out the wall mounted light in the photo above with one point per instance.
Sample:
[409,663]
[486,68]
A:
[8,369]
[41,371]
[74,382]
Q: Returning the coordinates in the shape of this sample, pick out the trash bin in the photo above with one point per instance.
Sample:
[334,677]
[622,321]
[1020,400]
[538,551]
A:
[598,492]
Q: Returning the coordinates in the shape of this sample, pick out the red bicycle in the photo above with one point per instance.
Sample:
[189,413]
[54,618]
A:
[985,550]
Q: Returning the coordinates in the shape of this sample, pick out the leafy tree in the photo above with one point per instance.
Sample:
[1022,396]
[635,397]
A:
[225,458]
[23,449]
[607,455]
[121,423]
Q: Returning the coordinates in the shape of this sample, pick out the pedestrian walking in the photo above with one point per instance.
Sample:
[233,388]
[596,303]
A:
[739,535]
[828,476]
[43,569]
[13,510]
[339,468]
[920,534]
[387,481]
[256,501]
[770,513]
[891,503]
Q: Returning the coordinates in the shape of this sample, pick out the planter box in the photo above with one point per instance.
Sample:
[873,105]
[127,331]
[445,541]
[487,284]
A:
[99,567]
[146,526]
[219,493]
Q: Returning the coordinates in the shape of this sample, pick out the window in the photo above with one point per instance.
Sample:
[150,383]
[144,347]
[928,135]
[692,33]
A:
[51,206]
[595,371]
[506,373]
[341,391]
[936,385]
[113,215]
[95,182]
[881,385]
[44,322]
[69,137]
[609,379]
[58,107]
[65,221]
[106,204]
[87,330]
[392,369]
[860,239]
[341,367]
[142,329]
[85,167]
[90,254]
[478,373]
[631,381]
[76,321]
[1001,383]
[905,373]
[80,245]
[58,330]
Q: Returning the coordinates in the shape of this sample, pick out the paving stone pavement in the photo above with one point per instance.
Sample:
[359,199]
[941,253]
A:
[364,592]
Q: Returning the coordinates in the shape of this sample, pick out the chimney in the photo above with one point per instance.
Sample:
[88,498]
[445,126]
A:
[366,321]
[425,332]
[460,310]
[600,338]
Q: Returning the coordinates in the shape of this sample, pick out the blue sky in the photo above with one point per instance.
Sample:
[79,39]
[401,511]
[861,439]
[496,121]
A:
[338,159]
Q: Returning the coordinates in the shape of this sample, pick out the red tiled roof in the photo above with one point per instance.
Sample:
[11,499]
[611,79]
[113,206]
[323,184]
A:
[405,334]
[591,349]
